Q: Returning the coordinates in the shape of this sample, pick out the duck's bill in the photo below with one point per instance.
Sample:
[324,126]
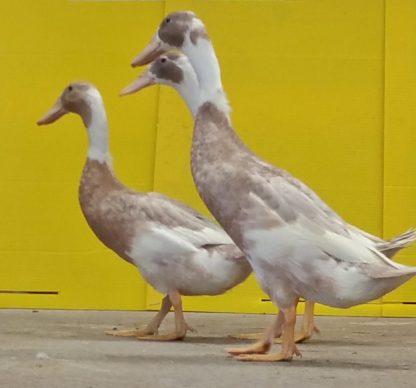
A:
[150,53]
[53,114]
[142,82]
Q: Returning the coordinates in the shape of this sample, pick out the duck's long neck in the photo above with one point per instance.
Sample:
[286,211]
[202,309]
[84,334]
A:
[97,127]
[98,178]
[205,63]
[191,95]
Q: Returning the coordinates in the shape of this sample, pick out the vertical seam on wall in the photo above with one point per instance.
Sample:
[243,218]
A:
[157,119]
[156,137]
[146,301]
[383,129]
[383,119]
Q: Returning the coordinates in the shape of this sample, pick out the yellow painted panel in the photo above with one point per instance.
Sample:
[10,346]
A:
[72,280]
[400,214]
[247,298]
[305,89]
[400,138]
[304,80]
[400,122]
[399,310]
[45,243]
[241,299]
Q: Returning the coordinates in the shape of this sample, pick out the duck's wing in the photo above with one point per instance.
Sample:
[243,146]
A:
[387,247]
[174,228]
[297,216]
[305,190]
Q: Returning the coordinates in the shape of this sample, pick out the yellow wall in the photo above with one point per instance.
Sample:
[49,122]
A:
[45,243]
[322,88]
[400,139]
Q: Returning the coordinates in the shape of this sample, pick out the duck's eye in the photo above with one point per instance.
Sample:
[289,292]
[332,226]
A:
[167,20]
[163,60]
[70,88]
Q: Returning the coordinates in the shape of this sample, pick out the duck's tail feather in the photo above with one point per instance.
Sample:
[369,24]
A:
[390,247]
[392,272]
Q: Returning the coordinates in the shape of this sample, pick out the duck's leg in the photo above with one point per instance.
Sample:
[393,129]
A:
[308,326]
[265,343]
[153,325]
[276,325]
[289,348]
[181,327]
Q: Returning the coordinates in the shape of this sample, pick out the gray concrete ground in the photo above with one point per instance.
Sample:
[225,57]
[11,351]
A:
[51,349]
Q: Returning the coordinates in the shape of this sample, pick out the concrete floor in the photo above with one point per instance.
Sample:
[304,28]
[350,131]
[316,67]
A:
[69,349]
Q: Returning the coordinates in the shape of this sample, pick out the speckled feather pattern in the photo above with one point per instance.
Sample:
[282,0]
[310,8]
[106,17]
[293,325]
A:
[295,243]
[176,249]
[189,252]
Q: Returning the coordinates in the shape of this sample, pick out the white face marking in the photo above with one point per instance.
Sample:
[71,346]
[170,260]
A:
[188,88]
[196,24]
[94,95]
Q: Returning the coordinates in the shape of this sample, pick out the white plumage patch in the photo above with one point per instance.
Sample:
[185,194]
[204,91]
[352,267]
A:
[203,236]
[281,241]
[177,241]
[160,241]
[172,258]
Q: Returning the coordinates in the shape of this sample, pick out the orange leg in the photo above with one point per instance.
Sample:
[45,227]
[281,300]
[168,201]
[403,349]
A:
[308,328]
[151,328]
[259,336]
[181,327]
[288,350]
[264,344]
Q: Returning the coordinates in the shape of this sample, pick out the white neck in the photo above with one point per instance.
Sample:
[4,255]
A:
[205,63]
[189,90]
[98,134]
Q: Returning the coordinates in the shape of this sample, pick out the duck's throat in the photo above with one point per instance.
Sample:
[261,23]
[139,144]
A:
[98,135]
[191,96]
[205,63]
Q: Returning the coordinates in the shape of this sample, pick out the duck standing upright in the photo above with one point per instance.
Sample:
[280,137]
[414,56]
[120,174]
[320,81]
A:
[175,70]
[296,244]
[177,250]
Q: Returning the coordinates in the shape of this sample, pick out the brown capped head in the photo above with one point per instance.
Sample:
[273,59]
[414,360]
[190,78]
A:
[172,69]
[176,30]
[77,98]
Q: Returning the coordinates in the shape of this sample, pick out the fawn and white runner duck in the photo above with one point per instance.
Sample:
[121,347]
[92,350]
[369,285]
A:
[177,250]
[297,245]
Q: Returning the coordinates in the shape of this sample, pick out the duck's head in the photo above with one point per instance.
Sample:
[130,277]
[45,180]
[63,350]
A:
[178,30]
[77,97]
[173,69]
